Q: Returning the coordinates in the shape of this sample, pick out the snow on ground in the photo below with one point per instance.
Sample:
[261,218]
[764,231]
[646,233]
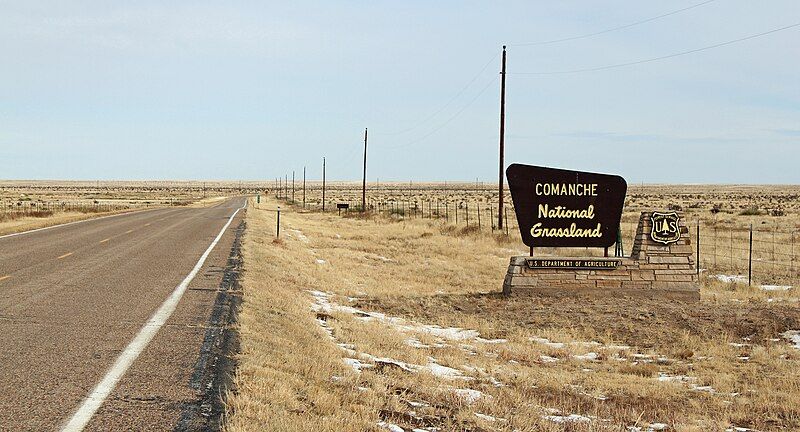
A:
[299,234]
[391,427]
[487,417]
[653,427]
[793,336]
[572,418]
[469,396]
[739,279]
[730,278]
[322,302]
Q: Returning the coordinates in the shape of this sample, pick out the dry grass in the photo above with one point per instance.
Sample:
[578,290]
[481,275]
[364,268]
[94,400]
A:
[385,279]
[27,205]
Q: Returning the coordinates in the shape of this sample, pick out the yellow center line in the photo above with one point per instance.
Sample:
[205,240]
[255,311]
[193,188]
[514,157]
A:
[65,255]
[105,240]
[4,277]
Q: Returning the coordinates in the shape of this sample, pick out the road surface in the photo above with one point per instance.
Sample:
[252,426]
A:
[74,298]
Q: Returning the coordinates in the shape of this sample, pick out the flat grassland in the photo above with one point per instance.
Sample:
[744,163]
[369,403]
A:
[27,205]
[395,322]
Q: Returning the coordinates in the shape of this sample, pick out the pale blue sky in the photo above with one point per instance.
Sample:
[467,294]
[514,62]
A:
[252,90]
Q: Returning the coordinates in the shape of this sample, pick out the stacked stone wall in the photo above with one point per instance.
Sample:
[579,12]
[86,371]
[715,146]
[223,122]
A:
[653,269]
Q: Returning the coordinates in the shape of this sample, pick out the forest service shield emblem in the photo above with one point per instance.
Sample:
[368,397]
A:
[664,227]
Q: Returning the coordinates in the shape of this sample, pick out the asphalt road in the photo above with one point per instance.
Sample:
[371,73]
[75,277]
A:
[72,298]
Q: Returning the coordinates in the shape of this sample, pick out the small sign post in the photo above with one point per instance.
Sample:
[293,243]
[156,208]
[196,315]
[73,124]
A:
[278,228]
[340,206]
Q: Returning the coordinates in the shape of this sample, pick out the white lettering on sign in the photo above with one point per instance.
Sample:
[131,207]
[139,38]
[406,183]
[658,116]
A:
[574,189]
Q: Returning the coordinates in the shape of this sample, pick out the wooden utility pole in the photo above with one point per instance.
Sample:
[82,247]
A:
[304,187]
[364,177]
[323,184]
[502,138]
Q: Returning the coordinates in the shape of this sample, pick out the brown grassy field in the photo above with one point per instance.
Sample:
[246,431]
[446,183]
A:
[724,213]
[26,205]
[390,322]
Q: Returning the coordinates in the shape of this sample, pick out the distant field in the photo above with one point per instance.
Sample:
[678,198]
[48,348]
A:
[26,205]
[724,213]
[394,322]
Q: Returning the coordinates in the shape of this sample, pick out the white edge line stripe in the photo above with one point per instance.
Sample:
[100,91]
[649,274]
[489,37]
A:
[99,394]
[76,222]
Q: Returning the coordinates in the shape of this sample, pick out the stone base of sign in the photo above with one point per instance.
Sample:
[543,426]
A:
[652,270]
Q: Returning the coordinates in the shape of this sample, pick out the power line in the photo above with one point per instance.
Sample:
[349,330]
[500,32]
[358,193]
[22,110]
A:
[619,65]
[448,120]
[437,112]
[588,35]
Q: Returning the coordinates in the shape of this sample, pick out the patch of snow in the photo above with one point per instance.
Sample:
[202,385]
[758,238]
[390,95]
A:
[356,364]
[545,341]
[654,427]
[618,347]
[662,377]
[390,426]
[572,418]
[415,343]
[302,237]
[776,287]
[440,371]
[590,356]
[451,333]
[792,336]
[486,417]
[468,395]
[491,341]
[731,278]
[707,389]
[547,359]
[321,261]
[397,363]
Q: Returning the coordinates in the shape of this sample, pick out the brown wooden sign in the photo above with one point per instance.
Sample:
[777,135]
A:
[563,208]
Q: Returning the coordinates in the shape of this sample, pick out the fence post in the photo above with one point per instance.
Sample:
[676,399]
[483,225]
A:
[446,212]
[505,213]
[278,227]
[773,248]
[715,245]
[466,208]
[698,248]
[791,259]
[479,216]
[731,255]
[456,209]
[750,259]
